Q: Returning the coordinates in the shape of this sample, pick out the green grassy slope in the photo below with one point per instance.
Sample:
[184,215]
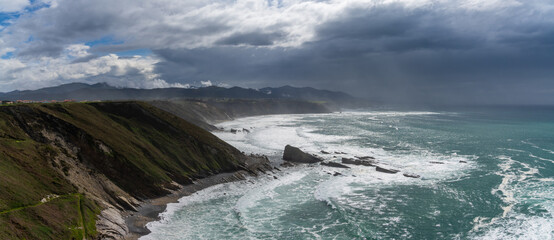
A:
[138,147]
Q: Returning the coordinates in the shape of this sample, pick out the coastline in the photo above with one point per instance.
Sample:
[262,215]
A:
[149,210]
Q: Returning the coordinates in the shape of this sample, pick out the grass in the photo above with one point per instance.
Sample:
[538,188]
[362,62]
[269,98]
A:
[138,147]
[60,218]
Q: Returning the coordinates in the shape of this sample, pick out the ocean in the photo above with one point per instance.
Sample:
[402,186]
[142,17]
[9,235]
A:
[486,173]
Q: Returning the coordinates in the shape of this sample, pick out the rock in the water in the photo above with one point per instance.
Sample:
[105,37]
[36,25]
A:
[287,164]
[436,162]
[246,130]
[369,163]
[294,154]
[410,175]
[365,157]
[334,164]
[234,131]
[325,152]
[386,170]
[337,174]
[462,161]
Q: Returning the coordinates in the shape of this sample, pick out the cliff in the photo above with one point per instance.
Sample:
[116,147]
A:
[205,112]
[68,171]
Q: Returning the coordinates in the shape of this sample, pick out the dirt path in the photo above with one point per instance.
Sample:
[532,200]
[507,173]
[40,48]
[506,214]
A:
[34,205]
[81,219]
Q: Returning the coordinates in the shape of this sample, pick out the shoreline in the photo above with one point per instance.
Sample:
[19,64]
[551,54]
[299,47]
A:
[149,210]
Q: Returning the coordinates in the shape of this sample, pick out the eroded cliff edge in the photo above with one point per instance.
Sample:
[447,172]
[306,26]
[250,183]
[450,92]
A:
[69,170]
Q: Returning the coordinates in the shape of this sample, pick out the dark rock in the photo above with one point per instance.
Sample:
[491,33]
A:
[365,157]
[462,161]
[385,170]
[324,152]
[245,130]
[368,163]
[287,164]
[274,177]
[234,131]
[333,164]
[410,175]
[294,154]
[340,153]
[276,168]
[435,162]
[337,174]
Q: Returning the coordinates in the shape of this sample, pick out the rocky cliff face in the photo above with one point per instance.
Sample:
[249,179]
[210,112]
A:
[204,112]
[69,170]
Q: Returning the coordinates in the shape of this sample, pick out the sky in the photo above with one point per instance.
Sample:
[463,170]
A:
[394,51]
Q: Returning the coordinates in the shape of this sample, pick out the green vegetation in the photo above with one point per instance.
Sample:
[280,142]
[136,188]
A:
[58,218]
[136,146]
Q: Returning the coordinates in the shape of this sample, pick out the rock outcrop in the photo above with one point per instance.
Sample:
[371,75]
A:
[411,175]
[386,170]
[334,164]
[436,162]
[369,163]
[294,154]
[111,225]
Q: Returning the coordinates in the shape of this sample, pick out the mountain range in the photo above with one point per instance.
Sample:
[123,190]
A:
[103,91]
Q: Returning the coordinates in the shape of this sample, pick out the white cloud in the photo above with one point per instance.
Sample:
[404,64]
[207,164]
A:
[13,5]
[159,83]
[206,83]
[281,29]
[177,24]
[77,50]
[135,72]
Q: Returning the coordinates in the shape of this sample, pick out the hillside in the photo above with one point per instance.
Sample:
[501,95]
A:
[205,112]
[67,171]
[103,91]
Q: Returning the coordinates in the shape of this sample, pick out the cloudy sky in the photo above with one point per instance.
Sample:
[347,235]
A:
[406,51]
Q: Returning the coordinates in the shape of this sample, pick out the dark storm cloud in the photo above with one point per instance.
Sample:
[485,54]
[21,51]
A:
[251,38]
[396,29]
[394,55]
[84,59]
[50,30]
[42,48]
[394,51]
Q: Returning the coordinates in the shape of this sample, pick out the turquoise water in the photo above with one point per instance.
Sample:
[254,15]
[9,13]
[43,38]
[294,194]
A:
[496,180]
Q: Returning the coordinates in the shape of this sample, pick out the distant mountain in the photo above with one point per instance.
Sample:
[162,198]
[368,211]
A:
[103,91]
[311,94]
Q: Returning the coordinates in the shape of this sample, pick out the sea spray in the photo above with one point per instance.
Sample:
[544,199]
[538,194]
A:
[481,178]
